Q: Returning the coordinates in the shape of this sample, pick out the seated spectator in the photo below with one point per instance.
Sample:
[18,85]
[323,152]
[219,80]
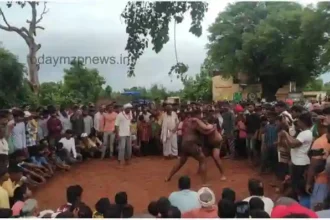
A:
[208,208]
[256,203]
[82,211]
[228,194]
[152,208]
[101,207]
[66,214]
[114,211]
[259,214]
[40,160]
[242,209]
[30,209]
[127,211]
[5,213]
[14,180]
[163,204]
[4,198]
[173,212]
[121,198]
[226,209]
[69,148]
[256,189]
[325,213]
[304,197]
[88,148]
[282,211]
[56,155]
[185,199]
[32,172]
[21,194]
[73,196]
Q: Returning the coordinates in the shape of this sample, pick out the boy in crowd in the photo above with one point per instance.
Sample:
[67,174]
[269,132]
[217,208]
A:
[69,148]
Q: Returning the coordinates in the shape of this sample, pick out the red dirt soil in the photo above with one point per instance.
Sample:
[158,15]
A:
[143,180]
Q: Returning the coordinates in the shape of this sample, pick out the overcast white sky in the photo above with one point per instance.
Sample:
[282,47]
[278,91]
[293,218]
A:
[94,28]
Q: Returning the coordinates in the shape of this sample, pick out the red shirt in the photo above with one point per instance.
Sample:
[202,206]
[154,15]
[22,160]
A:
[54,126]
[144,131]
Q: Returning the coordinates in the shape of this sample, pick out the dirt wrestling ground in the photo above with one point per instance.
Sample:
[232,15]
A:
[143,180]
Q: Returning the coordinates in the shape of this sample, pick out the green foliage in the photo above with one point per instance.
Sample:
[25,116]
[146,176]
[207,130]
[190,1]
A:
[314,85]
[14,89]
[198,87]
[272,42]
[151,20]
[83,83]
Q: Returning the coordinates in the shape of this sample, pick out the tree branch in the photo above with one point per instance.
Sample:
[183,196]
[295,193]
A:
[39,27]
[45,11]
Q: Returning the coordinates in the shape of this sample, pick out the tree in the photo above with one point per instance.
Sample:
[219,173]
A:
[272,42]
[28,35]
[198,87]
[83,83]
[108,91]
[11,79]
[314,85]
[147,20]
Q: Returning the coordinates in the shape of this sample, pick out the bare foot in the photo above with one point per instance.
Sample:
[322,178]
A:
[223,178]
[167,180]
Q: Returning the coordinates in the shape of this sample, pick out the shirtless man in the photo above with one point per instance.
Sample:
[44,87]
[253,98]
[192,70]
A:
[192,144]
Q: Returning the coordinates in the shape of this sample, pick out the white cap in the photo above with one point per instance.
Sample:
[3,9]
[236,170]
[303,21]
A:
[27,114]
[128,105]
[84,135]
[206,197]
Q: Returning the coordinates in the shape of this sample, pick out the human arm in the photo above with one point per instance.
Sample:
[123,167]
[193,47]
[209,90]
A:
[73,149]
[202,127]
[291,141]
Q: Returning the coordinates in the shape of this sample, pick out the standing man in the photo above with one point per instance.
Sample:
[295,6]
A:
[97,121]
[88,121]
[54,127]
[77,122]
[123,130]
[168,135]
[146,114]
[107,126]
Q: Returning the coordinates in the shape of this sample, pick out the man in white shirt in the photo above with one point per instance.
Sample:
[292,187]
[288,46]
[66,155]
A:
[4,149]
[97,118]
[256,189]
[123,130]
[169,135]
[69,147]
[299,148]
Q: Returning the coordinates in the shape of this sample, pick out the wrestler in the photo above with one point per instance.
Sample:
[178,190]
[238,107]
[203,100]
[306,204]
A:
[212,142]
[192,144]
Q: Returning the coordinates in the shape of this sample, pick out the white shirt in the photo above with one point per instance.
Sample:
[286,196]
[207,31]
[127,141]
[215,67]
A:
[299,155]
[69,145]
[4,146]
[269,204]
[123,121]
[97,120]
[146,116]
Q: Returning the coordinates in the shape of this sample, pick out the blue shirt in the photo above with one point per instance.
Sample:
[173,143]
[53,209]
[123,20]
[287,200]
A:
[185,200]
[305,201]
[270,135]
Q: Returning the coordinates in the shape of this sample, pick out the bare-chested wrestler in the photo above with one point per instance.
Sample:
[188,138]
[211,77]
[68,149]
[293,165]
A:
[193,144]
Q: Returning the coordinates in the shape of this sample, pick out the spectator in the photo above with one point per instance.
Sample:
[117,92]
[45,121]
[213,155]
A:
[101,207]
[14,180]
[54,126]
[256,203]
[21,194]
[121,198]
[185,199]
[152,208]
[228,194]
[242,209]
[282,211]
[127,211]
[30,209]
[256,189]
[69,147]
[226,209]
[173,212]
[77,121]
[73,196]
[5,213]
[83,211]
[299,148]
[163,204]
[107,126]
[88,121]
[113,212]
[4,198]
[4,149]
[208,209]
[259,214]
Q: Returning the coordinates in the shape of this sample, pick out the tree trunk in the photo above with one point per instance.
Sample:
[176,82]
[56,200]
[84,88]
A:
[33,66]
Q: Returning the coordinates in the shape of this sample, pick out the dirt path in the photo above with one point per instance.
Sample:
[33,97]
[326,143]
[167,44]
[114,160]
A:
[143,180]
